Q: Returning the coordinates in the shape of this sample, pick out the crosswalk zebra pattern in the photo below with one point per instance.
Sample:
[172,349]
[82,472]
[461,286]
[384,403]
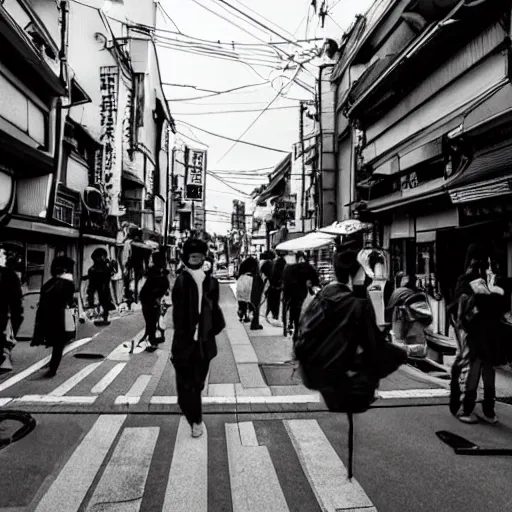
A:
[109,470]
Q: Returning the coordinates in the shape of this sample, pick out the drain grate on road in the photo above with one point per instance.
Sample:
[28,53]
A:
[283,374]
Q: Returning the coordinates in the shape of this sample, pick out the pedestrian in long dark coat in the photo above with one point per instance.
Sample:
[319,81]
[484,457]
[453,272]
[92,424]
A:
[275,287]
[100,275]
[57,294]
[156,286]
[249,267]
[197,320]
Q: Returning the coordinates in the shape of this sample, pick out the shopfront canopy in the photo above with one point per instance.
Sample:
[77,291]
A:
[311,241]
[345,227]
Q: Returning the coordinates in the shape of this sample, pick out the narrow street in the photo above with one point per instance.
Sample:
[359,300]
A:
[109,436]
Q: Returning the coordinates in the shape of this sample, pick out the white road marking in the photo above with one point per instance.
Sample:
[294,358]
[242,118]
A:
[75,379]
[414,393]
[121,487]
[105,382]
[133,396]
[164,400]
[219,400]
[324,470]
[4,401]
[72,483]
[254,483]
[187,487]
[247,434]
[37,366]
[57,399]
[122,351]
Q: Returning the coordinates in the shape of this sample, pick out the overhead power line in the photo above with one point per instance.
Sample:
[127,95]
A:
[213,175]
[233,140]
[166,15]
[229,111]
[218,93]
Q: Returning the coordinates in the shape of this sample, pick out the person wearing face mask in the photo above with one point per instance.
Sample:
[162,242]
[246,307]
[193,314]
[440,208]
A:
[197,320]
[208,266]
[57,294]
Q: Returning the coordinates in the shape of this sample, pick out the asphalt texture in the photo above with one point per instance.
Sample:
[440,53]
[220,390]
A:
[399,462]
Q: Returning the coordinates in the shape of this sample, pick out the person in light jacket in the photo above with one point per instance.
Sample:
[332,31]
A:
[197,320]
[57,294]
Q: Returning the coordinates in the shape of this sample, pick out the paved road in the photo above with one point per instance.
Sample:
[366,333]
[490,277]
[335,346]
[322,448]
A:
[109,437]
[254,463]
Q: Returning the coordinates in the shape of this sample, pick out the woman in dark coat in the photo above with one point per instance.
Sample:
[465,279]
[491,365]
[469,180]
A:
[155,287]
[197,320]
[57,294]
[250,267]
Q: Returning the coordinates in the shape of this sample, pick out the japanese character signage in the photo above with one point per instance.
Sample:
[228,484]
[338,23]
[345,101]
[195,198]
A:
[195,171]
[109,83]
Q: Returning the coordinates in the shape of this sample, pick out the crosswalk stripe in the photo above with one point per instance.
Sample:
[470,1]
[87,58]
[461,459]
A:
[4,401]
[414,393]
[121,487]
[49,399]
[254,483]
[75,379]
[105,382]
[187,487]
[71,485]
[135,392]
[324,470]
[40,364]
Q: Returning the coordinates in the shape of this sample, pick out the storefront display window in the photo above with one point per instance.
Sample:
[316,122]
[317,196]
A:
[33,275]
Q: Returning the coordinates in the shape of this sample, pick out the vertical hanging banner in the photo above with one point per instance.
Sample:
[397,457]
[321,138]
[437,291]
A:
[109,85]
[195,173]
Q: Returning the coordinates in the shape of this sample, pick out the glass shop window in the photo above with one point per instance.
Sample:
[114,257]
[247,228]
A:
[402,256]
[33,275]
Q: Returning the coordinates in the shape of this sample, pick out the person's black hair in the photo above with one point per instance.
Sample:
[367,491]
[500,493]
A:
[345,265]
[62,265]
[300,255]
[99,253]
[193,245]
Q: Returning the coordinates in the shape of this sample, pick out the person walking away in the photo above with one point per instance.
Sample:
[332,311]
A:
[249,292]
[100,275]
[156,286]
[57,296]
[11,306]
[197,320]
[476,314]
[275,288]
[297,280]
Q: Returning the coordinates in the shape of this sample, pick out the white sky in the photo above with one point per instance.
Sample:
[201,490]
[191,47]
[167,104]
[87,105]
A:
[276,128]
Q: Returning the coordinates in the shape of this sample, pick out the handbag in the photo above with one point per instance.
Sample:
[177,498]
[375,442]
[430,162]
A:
[69,322]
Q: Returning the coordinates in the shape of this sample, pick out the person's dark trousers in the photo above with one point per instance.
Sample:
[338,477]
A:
[243,310]
[151,314]
[190,380]
[477,369]
[274,296]
[255,316]
[56,357]
[295,309]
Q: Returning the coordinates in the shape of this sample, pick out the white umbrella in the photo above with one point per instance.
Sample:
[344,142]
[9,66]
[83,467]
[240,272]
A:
[310,241]
[345,227]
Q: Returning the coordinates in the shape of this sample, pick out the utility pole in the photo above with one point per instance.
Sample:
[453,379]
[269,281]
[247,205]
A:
[303,161]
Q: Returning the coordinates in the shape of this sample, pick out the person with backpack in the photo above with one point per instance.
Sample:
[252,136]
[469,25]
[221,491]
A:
[477,315]
[340,350]
[197,319]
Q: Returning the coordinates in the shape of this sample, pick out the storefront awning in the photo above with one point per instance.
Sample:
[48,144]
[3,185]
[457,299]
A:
[493,162]
[314,240]
[482,190]
[345,227]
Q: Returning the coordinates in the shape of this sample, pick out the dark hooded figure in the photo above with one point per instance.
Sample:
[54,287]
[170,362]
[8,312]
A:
[57,294]
[297,279]
[476,313]
[100,275]
[197,320]
[151,294]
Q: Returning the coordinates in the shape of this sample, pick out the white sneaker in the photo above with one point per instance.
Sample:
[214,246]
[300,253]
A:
[471,418]
[197,429]
[491,420]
